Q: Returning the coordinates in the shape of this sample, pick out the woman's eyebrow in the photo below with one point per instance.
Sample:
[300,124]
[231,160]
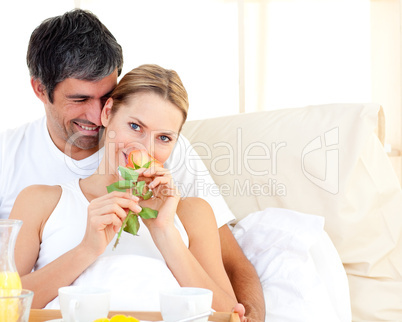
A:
[139,121]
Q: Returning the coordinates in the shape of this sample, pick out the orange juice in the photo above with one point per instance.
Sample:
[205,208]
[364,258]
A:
[9,308]
[10,280]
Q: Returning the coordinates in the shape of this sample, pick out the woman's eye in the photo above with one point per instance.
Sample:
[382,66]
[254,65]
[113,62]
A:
[165,138]
[134,126]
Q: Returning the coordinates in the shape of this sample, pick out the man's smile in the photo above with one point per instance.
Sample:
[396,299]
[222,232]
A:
[88,127]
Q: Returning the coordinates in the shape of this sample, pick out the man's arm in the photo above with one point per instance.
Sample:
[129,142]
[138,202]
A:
[243,276]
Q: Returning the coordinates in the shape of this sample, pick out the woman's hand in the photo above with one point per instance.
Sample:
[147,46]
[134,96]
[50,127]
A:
[105,217]
[165,197]
[239,309]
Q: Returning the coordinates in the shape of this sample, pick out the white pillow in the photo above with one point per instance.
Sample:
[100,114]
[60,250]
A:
[299,268]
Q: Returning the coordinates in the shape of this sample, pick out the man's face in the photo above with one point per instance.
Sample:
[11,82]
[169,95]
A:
[74,117]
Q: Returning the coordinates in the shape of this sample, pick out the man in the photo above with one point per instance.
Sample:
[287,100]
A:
[74,62]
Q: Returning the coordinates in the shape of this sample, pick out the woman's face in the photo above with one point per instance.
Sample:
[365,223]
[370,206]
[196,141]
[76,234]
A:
[147,122]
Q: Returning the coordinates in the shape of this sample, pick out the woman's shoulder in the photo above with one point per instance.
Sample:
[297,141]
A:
[41,192]
[40,200]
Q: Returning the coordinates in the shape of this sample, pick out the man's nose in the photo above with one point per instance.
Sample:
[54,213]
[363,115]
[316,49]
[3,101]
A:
[94,111]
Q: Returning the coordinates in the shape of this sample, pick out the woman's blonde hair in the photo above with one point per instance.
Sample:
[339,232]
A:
[155,79]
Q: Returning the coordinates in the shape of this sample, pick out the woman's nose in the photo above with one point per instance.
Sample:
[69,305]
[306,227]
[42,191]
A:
[147,145]
[143,143]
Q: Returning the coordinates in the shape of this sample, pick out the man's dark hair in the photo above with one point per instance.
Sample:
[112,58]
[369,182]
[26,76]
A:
[73,45]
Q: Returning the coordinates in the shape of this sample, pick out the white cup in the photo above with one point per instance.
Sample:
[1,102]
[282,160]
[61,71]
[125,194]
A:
[83,304]
[185,302]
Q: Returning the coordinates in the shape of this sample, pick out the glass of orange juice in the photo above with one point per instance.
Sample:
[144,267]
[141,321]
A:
[15,305]
[9,278]
[13,300]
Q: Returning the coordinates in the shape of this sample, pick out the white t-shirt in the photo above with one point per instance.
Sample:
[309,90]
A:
[28,156]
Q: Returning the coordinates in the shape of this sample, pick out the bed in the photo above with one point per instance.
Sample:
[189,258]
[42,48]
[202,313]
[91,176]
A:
[318,207]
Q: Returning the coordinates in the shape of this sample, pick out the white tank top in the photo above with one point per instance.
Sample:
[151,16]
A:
[135,271]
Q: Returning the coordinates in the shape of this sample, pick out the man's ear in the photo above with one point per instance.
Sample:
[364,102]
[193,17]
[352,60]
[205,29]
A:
[39,90]
[107,112]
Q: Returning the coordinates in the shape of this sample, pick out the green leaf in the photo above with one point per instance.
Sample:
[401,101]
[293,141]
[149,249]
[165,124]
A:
[120,186]
[140,187]
[147,213]
[147,165]
[128,173]
[147,195]
[132,223]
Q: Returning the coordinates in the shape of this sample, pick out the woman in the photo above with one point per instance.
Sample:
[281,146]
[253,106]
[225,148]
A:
[68,229]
